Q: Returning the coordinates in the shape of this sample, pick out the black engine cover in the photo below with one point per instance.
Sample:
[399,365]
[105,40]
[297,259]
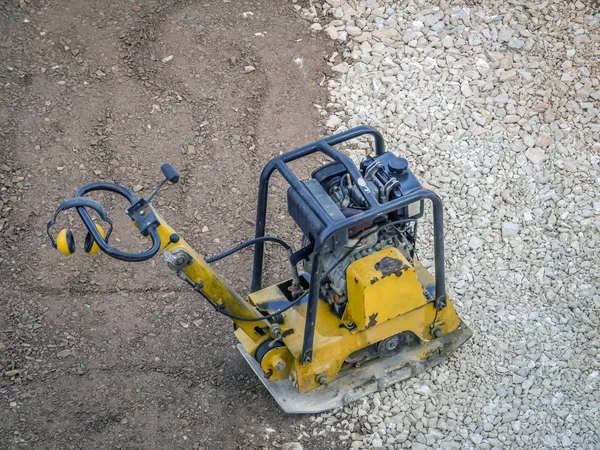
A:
[308,221]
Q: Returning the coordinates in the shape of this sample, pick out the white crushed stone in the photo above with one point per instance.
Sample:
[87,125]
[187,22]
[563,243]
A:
[496,107]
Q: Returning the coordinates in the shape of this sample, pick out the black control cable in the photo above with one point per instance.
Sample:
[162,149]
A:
[219,308]
[237,248]
[243,245]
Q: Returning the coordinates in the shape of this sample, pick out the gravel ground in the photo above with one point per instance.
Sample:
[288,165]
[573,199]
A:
[496,107]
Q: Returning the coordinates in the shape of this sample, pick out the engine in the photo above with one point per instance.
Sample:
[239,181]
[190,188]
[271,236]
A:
[388,177]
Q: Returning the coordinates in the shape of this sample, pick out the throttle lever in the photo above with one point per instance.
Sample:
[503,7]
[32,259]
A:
[171,176]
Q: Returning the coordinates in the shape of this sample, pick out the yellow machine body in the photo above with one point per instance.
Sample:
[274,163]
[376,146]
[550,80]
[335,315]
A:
[381,286]
[397,305]
[386,297]
[373,316]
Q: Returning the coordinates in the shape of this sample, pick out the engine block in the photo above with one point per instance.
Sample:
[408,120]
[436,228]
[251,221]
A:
[388,177]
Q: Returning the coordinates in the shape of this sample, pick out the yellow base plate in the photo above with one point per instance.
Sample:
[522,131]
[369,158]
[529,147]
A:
[354,383]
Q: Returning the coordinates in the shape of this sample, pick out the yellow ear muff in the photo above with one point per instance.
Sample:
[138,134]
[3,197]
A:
[65,242]
[90,246]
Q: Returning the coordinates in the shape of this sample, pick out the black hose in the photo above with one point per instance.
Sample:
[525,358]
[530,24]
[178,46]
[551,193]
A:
[243,245]
[219,309]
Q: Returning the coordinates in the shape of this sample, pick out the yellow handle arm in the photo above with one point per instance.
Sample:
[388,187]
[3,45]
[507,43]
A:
[220,292]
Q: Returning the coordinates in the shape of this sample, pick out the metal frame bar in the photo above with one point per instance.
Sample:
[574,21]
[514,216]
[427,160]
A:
[325,146]
[147,230]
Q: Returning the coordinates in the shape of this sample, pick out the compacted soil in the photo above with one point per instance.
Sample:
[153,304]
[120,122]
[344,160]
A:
[106,354]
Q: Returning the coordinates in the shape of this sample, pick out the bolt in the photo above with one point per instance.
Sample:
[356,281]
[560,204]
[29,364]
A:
[322,379]
[436,332]
[276,331]
[280,366]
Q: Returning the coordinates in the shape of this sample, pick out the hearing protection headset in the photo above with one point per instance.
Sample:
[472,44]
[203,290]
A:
[65,242]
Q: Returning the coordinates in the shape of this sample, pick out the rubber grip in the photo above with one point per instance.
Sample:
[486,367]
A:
[170,173]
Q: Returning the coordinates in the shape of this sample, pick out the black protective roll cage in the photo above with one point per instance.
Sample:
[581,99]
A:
[374,209]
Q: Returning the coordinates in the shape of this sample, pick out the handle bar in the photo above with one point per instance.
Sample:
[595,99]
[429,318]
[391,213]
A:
[149,228]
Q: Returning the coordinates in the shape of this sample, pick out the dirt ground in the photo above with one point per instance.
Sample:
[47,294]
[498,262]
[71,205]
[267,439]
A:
[116,355]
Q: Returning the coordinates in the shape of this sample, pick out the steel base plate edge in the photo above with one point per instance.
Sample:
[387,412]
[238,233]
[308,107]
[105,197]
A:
[352,384]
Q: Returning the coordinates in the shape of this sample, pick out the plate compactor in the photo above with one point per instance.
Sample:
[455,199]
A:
[363,314]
